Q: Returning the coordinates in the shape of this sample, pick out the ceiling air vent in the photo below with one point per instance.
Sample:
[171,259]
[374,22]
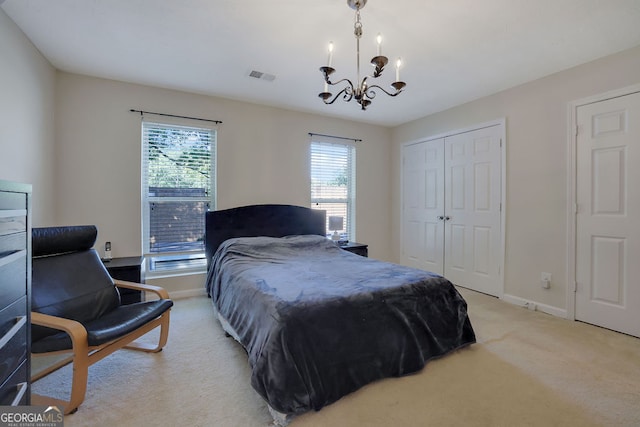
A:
[262,76]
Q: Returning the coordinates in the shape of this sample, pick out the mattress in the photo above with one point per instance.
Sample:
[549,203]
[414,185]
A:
[319,322]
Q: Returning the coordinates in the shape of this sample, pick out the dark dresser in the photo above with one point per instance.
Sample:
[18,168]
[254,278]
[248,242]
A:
[15,293]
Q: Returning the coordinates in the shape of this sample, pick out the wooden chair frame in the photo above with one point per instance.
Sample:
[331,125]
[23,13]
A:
[84,356]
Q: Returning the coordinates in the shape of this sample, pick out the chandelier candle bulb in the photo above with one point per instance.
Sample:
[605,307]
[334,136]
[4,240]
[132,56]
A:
[330,53]
[398,64]
[379,40]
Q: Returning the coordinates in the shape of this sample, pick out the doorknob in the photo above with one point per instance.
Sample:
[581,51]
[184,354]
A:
[440,217]
[447,218]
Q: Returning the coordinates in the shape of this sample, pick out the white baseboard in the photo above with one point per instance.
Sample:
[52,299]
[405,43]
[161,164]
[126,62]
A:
[531,305]
[535,306]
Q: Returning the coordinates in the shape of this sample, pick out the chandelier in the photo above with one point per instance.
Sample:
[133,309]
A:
[363,93]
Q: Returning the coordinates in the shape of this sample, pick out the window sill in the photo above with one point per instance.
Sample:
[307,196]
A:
[162,274]
[176,264]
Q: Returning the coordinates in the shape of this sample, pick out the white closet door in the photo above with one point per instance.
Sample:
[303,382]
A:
[608,217]
[472,209]
[423,205]
[451,215]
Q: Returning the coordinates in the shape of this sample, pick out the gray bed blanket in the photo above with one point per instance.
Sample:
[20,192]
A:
[319,322]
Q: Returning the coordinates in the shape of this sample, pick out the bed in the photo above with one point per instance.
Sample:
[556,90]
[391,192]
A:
[319,322]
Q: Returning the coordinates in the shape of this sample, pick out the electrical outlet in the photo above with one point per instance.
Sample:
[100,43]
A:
[107,251]
[545,280]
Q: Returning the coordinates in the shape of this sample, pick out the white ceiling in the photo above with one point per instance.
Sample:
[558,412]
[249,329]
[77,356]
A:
[454,51]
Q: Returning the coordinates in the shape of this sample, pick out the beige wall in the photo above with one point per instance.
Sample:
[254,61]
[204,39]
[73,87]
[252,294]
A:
[262,158]
[84,160]
[536,178]
[27,83]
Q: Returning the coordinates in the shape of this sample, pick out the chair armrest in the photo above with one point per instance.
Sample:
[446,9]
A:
[161,292]
[76,331]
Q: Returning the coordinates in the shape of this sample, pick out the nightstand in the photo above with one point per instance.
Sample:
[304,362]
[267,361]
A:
[357,248]
[130,269]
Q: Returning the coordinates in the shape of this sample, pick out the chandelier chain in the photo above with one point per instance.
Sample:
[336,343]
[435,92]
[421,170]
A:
[357,31]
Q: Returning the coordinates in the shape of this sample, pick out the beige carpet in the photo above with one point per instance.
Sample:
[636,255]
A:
[528,369]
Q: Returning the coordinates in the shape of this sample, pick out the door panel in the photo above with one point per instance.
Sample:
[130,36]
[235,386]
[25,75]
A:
[608,270]
[413,170]
[472,208]
[455,257]
[482,250]
[608,217]
[423,203]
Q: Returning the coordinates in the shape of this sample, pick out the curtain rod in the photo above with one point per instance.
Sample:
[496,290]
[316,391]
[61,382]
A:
[337,137]
[173,115]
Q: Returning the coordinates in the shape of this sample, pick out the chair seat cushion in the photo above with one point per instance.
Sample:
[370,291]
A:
[115,324]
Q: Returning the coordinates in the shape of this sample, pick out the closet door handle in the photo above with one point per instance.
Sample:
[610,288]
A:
[447,218]
[440,218]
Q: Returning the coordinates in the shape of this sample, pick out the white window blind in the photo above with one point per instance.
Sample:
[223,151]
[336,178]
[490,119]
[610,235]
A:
[333,168]
[178,187]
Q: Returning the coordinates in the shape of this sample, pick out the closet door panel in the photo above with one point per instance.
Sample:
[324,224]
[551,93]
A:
[423,205]
[472,209]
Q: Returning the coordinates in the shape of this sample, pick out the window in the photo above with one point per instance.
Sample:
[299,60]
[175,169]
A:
[178,187]
[333,169]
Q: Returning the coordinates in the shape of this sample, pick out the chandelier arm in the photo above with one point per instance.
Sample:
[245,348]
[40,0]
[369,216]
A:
[340,81]
[347,96]
[382,89]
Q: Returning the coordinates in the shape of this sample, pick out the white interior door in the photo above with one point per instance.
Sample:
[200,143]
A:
[608,214]
[473,209]
[423,206]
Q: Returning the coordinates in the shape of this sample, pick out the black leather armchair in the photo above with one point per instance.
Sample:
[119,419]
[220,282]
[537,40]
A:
[76,308]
